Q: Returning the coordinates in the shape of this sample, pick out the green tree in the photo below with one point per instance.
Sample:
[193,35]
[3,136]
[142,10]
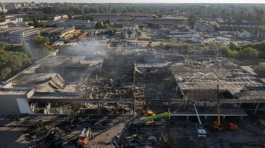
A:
[41,40]
[12,59]
[248,52]
[231,53]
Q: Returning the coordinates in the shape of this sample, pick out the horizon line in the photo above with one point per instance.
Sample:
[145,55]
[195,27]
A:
[113,2]
[139,1]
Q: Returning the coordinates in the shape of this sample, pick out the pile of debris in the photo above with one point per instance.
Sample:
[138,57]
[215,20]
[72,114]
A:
[68,131]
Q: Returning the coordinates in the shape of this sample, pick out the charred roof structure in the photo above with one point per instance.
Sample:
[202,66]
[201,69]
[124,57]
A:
[127,82]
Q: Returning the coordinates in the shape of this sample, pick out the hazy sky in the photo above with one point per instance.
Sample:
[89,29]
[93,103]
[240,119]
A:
[144,1]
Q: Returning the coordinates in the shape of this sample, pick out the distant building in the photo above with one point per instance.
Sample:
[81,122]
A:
[81,24]
[61,17]
[15,35]
[11,37]
[14,19]
[244,35]
[220,40]
[167,22]
[52,33]
[189,36]
[129,32]
[206,26]
[257,31]
[11,21]
[3,8]
[14,101]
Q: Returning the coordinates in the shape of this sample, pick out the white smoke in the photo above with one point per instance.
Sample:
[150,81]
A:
[88,48]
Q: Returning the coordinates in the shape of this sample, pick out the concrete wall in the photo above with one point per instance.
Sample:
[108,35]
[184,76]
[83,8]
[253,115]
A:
[8,103]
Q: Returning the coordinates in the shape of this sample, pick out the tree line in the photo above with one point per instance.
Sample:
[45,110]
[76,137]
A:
[12,59]
[252,51]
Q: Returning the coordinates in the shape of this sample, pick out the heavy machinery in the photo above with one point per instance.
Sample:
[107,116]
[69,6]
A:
[153,119]
[158,117]
[218,124]
[201,132]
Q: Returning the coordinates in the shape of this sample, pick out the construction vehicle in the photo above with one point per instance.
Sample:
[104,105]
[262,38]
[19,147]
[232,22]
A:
[201,132]
[152,118]
[220,125]
[232,126]
[158,117]
[149,113]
